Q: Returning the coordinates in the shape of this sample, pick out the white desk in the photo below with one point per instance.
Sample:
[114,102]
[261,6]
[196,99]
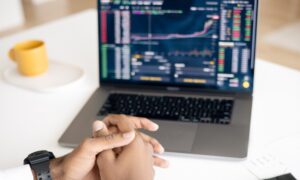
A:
[30,121]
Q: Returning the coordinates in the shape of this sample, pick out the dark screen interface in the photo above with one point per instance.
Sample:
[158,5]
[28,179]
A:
[205,43]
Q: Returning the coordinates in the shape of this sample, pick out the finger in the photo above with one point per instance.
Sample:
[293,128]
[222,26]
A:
[97,145]
[103,132]
[135,122]
[157,147]
[120,121]
[149,147]
[110,142]
[107,155]
[137,145]
[157,161]
[160,162]
[106,159]
[99,128]
[113,130]
[143,123]
[118,151]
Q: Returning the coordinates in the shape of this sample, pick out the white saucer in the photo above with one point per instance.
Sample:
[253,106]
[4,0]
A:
[57,76]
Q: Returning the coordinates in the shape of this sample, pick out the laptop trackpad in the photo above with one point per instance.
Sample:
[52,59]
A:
[175,136]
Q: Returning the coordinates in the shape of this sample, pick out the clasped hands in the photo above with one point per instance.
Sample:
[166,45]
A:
[117,151]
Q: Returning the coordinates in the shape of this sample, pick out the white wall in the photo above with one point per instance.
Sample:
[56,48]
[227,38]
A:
[11,14]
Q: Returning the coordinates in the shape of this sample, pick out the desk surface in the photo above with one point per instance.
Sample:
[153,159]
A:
[30,121]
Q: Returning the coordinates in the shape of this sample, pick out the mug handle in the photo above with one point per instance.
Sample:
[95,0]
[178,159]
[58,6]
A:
[11,55]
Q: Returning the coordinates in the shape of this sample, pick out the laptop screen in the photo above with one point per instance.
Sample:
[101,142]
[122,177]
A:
[190,43]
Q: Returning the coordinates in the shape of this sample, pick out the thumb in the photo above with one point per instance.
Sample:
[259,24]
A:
[111,141]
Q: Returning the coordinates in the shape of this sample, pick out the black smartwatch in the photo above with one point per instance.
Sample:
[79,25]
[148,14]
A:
[39,162]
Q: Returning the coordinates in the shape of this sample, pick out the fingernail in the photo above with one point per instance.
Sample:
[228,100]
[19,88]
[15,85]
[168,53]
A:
[129,135]
[155,127]
[162,149]
[98,125]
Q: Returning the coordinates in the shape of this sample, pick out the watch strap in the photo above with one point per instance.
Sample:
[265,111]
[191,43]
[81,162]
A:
[39,162]
[42,170]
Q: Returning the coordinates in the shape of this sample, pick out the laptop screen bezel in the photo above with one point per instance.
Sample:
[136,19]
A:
[188,87]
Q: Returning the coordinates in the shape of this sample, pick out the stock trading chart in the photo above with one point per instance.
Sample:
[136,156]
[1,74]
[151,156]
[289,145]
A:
[181,42]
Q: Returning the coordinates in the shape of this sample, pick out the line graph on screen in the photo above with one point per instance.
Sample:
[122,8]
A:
[207,31]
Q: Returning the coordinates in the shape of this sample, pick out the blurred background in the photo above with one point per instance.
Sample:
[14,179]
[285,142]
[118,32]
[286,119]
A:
[278,30]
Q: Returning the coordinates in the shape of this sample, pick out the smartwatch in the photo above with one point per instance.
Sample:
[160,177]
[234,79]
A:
[39,162]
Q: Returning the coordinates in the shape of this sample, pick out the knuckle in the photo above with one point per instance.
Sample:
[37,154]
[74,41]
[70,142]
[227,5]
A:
[106,118]
[112,116]
[117,117]
[138,141]
[144,119]
[113,129]
[109,116]
[109,137]
[123,116]
[154,141]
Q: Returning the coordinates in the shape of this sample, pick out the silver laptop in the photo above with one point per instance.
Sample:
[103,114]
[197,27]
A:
[188,65]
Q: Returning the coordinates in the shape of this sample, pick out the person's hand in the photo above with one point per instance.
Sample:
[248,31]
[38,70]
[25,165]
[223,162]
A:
[124,123]
[134,162]
[80,163]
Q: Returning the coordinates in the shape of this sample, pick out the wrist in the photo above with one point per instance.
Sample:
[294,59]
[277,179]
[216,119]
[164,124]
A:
[34,175]
[39,162]
[56,169]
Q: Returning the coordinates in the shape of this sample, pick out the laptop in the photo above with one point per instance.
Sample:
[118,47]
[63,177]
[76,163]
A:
[188,65]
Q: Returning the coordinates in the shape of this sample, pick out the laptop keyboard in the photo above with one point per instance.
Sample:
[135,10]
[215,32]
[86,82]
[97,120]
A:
[202,110]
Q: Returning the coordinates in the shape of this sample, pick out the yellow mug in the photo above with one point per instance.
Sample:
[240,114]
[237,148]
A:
[31,57]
